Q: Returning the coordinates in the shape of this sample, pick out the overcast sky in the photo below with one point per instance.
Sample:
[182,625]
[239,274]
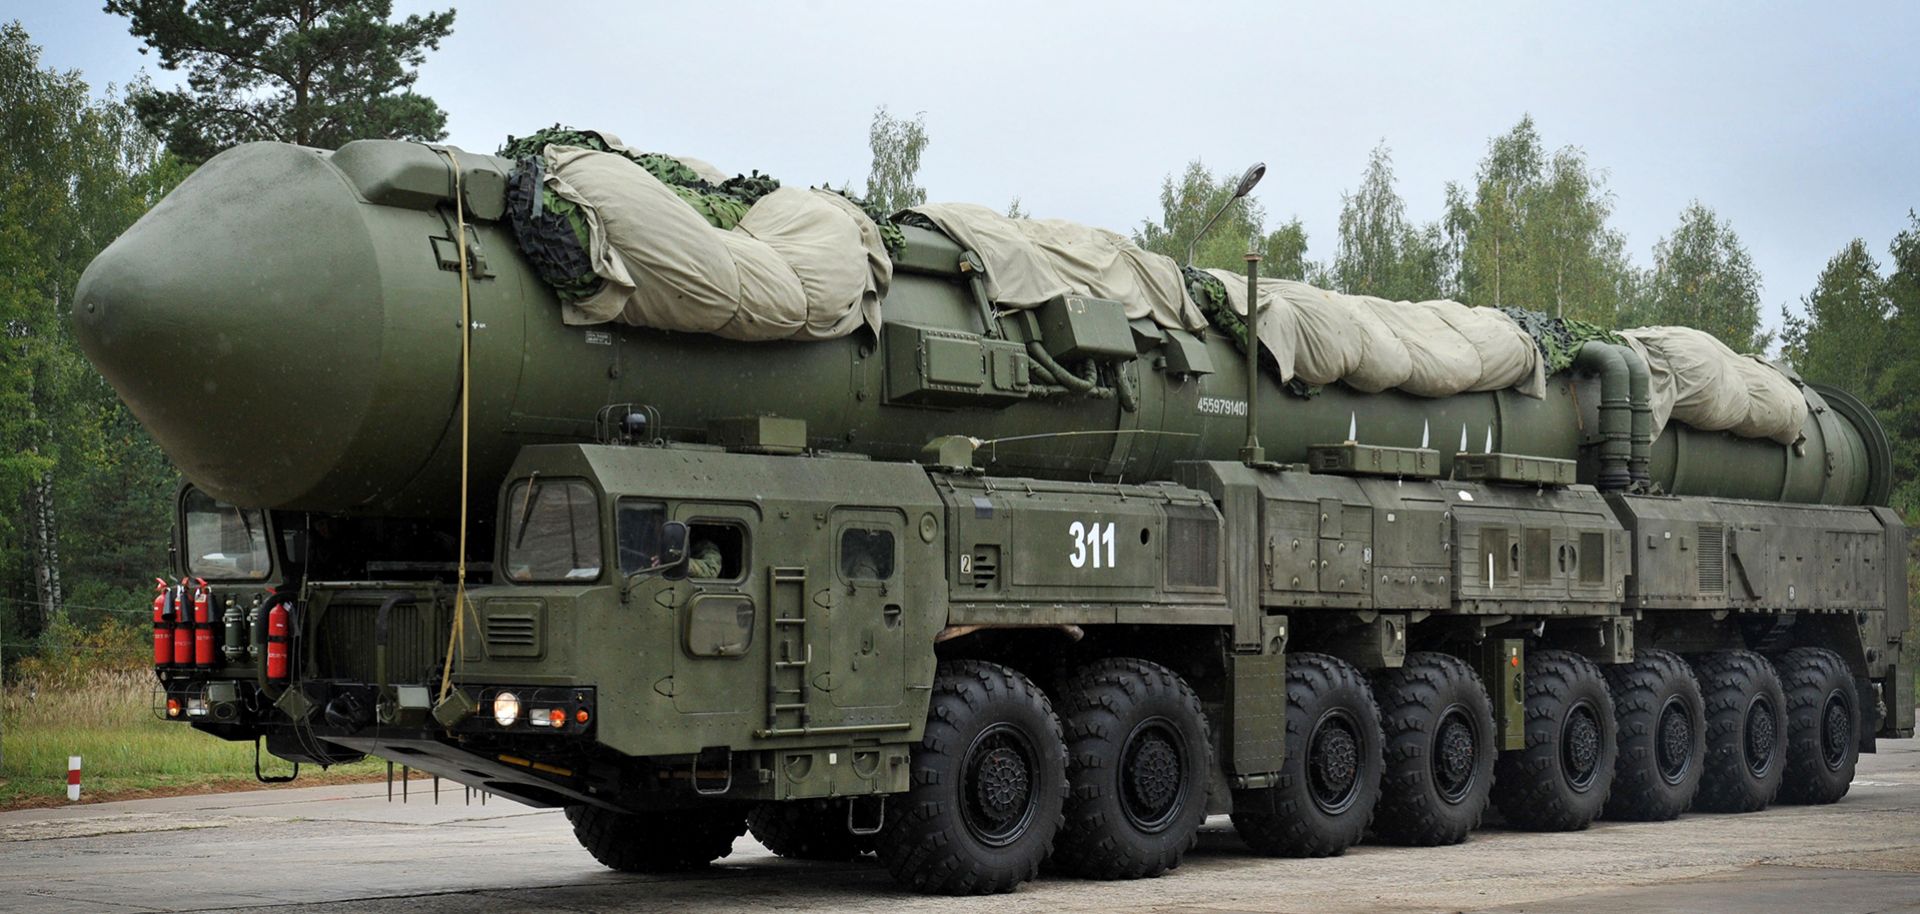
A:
[1800,123]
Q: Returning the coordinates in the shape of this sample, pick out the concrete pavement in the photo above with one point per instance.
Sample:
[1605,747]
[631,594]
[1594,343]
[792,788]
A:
[345,848]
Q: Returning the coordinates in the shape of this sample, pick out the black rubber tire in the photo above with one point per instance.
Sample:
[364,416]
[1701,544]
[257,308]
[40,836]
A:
[1559,781]
[807,830]
[938,837]
[662,841]
[1138,763]
[1440,750]
[1325,798]
[1823,725]
[1662,723]
[1746,748]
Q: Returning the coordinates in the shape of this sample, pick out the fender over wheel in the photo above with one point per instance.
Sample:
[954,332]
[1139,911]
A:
[1330,782]
[1663,737]
[1559,781]
[1138,760]
[989,782]
[1440,751]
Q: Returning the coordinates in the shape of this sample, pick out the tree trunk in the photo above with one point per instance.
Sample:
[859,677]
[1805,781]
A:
[46,552]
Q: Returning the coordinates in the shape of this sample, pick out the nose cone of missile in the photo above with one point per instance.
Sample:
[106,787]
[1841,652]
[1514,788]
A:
[241,321]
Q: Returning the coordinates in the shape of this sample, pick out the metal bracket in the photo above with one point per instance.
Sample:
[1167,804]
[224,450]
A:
[879,820]
[724,787]
[276,779]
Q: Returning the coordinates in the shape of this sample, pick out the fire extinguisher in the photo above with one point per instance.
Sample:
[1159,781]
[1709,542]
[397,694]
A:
[182,626]
[162,625]
[202,625]
[279,622]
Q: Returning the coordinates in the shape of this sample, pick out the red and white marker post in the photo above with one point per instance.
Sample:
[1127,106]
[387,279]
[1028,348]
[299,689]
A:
[73,778]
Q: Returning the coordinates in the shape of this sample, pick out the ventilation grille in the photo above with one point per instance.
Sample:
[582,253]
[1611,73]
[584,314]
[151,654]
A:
[511,630]
[986,567]
[344,644]
[1537,562]
[1593,558]
[1193,546]
[1713,558]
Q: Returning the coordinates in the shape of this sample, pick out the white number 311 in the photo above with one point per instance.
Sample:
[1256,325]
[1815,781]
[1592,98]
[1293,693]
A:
[1087,540]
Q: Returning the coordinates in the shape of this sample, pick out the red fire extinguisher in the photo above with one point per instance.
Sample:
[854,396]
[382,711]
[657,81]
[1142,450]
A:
[202,625]
[162,625]
[182,626]
[278,623]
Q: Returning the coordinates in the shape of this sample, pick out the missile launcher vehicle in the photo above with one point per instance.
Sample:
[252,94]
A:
[969,584]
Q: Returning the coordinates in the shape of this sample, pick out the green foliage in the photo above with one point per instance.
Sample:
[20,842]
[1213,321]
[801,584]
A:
[1859,330]
[82,488]
[1898,375]
[1535,234]
[1286,252]
[71,654]
[1703,278]
[1381,253]
[317,72]
[1844,322]
[1188,201]
[897,144]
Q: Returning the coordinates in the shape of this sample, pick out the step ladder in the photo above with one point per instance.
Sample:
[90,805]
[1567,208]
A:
[789,686]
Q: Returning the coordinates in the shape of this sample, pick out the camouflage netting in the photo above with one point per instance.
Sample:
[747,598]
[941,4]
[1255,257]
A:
[555,233]
[1559,338]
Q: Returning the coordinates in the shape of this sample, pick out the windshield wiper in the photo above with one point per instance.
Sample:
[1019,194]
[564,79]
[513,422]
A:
[526,508]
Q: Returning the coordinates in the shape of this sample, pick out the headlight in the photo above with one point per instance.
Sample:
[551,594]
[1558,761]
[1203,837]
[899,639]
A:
[506,708]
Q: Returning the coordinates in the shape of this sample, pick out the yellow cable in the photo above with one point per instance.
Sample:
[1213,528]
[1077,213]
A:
[455,635]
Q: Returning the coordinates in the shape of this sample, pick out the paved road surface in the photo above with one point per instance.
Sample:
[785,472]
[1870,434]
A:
[340,849]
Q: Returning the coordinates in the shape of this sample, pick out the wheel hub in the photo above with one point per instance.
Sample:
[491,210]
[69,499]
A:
[1580,746]
[1153,773]
[1002,782]
[1333,763]
[1454,754]
[1762,733]
[1673,750]
[997,788]
[1836,731]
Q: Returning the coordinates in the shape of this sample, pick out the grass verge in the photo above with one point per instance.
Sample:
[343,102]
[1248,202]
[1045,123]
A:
[126,749]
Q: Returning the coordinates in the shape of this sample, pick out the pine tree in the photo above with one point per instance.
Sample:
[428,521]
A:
[312,72]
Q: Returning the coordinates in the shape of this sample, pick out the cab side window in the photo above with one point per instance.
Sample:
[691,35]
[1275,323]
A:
[866,554]
[639,528]
[716,551]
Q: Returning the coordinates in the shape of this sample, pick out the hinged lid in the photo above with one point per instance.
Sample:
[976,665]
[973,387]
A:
[1354,459]
[1519,469]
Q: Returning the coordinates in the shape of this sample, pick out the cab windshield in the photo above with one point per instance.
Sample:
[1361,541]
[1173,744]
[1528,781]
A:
[553,531]
[224,543]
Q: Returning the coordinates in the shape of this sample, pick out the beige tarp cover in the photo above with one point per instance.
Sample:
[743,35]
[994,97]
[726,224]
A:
[802,264]
[1429,348]
[1699,381]
[1031,261]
